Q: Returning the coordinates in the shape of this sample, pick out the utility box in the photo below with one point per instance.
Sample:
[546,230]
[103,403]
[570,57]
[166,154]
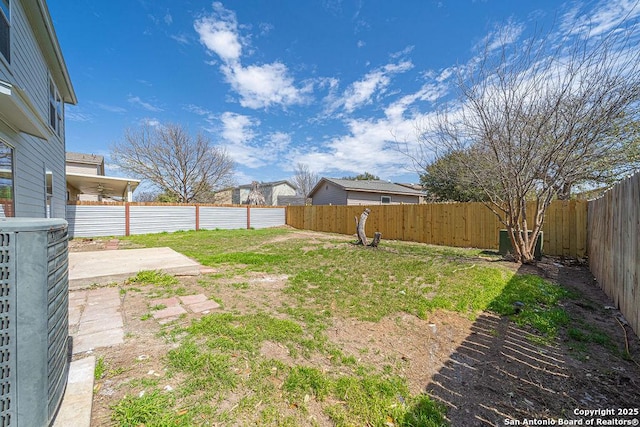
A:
[506,246]
[34,326]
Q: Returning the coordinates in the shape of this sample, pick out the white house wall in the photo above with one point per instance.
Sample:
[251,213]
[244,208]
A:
[82,168]
[32,156]
[281,190]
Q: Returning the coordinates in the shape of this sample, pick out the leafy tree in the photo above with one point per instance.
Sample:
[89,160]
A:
[363,177]
[540,116]
[447,179]
[185,167]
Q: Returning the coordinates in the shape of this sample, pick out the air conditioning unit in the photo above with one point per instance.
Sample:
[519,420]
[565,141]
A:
[34,311]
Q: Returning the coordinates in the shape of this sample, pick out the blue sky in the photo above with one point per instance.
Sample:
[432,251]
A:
[333,84]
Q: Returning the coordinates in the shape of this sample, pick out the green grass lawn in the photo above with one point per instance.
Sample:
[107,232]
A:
[326,279]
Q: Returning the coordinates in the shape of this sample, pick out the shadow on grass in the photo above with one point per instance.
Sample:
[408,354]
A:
[498,374]
[504,372]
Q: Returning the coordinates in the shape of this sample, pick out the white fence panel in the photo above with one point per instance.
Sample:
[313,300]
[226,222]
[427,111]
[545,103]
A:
[95,220]
[156,219]
[223,218]
[267,217]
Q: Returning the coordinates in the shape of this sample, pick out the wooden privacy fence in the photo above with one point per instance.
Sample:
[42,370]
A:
[614,252]
[449,224]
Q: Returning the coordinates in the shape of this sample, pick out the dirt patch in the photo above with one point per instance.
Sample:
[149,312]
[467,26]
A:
[497,373]
[82,244]
[485,370]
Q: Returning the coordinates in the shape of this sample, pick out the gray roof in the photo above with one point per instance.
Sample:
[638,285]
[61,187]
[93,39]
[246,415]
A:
[371,186]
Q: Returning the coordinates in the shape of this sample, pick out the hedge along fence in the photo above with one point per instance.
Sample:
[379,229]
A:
[448,224]
[94,219]
[614,247]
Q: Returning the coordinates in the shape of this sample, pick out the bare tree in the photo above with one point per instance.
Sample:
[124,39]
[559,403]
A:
[304,179]
[538,116]
[255,196]
[190,168]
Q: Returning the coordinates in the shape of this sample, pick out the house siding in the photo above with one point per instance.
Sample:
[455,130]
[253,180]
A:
[270,193]
[330,194]
[367,198]
[88,169]
[281,190]
[33,156]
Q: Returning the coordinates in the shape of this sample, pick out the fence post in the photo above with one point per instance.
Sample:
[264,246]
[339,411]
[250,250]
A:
[197,217]
[127,221]
[248,217]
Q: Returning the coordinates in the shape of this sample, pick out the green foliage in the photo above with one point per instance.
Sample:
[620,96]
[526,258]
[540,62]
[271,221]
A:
[206,369]
[539,299]
[153,277]
[247,258]
[447,179]
[306,380]
[363,177]
[100,368]
[150,409]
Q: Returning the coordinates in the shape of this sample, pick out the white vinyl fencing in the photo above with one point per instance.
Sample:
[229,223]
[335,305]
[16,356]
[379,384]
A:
[124,219]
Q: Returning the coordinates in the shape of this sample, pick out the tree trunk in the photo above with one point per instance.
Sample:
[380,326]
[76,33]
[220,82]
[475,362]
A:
[376,239]
[362,237]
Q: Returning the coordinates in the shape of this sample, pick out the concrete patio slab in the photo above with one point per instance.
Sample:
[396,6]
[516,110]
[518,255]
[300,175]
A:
[75,409]
[103,267]
[88,342]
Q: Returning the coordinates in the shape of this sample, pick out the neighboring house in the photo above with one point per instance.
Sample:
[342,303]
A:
[417,187]
[224,196]
[329,191]
[270,190]
[86,180]
[34,86]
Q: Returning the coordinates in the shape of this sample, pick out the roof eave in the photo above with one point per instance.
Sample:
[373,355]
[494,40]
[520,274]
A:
[38,14]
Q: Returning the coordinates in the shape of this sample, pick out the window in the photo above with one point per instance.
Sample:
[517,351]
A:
[5,33]
[6,180]
[48,185]
[385,199]
[55,108]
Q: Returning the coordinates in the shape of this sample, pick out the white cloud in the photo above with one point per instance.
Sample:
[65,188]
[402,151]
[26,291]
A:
[180,38]
[501,36]
[601,19]
[278,142]
[75,115]
[246,145]
[374,83]
[135,100]
[368,145]
[261,86]
[265,28]
[151,121]
[238,128]
[429,92]
[258,86]
[168,19]
[219,33]
[110,108]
